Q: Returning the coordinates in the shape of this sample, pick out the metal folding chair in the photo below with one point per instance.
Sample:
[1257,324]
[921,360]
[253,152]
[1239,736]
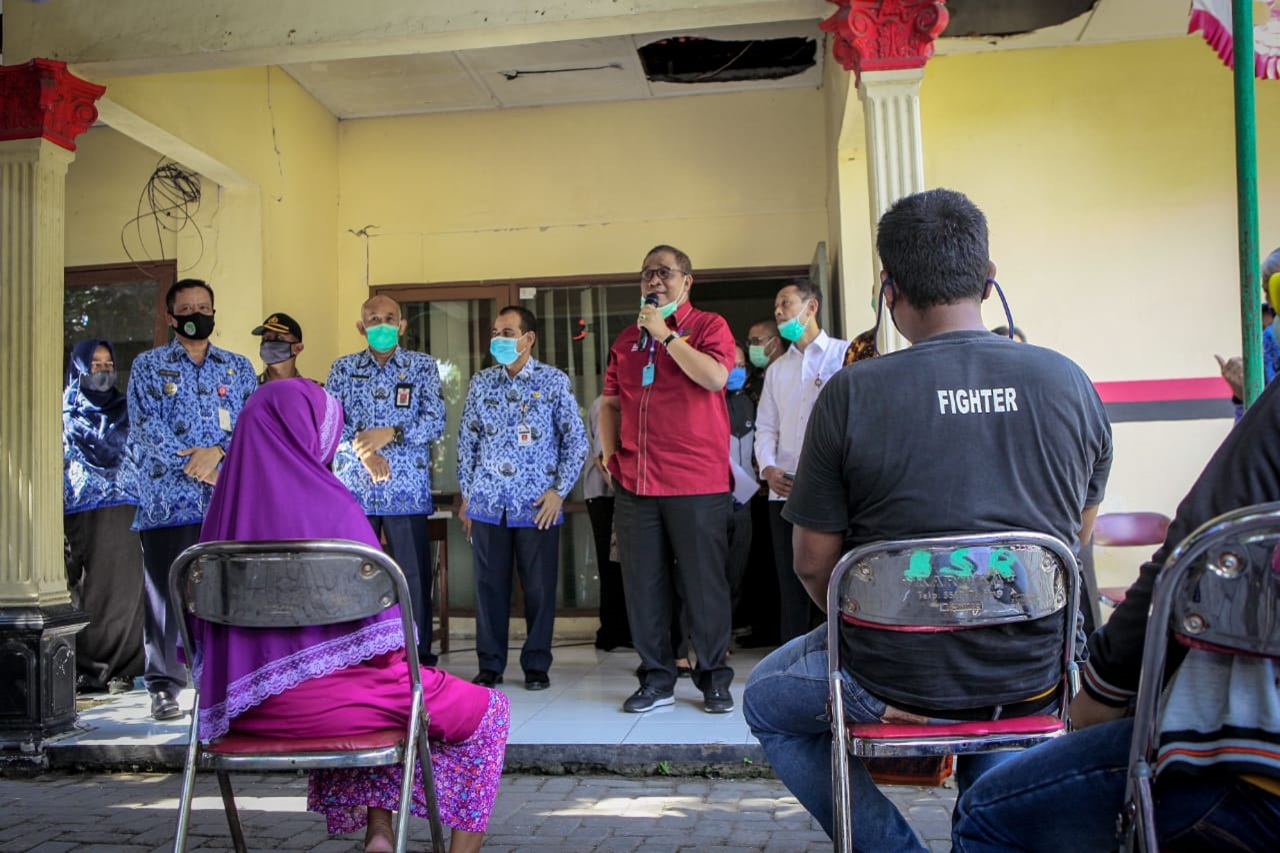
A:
[1217,591]
[1125,530]
[293,584]
[941,584]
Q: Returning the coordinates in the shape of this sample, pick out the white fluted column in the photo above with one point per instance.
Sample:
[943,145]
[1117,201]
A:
[32,204]
[46,108]
[895,151]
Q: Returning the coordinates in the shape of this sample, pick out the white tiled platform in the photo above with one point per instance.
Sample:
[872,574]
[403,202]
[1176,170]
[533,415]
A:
[578,719]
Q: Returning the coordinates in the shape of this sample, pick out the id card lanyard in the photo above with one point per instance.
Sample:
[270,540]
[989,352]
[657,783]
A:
[647,374]
[524,435]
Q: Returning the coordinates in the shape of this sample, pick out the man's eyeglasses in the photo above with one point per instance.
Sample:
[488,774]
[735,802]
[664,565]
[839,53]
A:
[663,273]
[759,342]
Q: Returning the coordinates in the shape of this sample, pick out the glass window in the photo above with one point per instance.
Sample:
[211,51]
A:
[121,303]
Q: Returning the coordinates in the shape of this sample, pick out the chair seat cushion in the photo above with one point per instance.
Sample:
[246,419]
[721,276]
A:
[1032,724]
[236,743]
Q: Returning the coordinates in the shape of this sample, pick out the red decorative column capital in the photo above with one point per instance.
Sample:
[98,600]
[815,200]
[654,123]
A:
[42,99]
[885,35]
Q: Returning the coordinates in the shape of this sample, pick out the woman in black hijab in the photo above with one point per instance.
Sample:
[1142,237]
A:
[104,557]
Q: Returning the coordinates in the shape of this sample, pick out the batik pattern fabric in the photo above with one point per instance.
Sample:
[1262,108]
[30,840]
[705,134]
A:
[405,392]
[520,436]
[466,775]
[175,404]
[96,471]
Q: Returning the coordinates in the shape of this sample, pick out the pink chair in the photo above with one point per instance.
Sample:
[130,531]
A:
[1123,529]
[945,584]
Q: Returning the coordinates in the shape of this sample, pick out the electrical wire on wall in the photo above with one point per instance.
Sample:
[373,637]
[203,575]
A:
[170,199]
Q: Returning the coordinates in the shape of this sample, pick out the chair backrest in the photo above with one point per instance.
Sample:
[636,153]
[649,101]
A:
[954,582]
[284,584]
[1219,589]
[1119,529]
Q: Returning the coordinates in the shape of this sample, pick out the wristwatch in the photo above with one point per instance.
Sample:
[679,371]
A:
[666,342]
[398,438]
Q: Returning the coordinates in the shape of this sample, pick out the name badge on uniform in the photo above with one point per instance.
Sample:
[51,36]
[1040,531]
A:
[224,419]
[524,436]
[404,395]
[646,375]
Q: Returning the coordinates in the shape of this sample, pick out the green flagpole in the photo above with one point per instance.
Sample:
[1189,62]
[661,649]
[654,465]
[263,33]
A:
[1247,197]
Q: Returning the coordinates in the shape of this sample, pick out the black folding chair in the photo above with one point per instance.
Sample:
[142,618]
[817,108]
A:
[1217,592]
[940,584]
[292,584]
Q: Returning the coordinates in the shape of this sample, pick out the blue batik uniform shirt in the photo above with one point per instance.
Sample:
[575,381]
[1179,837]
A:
[519,437]
[175,404]
[404,392]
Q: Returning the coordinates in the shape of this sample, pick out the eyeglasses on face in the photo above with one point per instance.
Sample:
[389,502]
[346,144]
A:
[663,273]
[759,342]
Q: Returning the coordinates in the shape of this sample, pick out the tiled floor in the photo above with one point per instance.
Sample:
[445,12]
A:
[583,706]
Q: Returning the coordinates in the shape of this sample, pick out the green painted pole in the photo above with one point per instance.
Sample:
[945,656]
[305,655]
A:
[1247,197]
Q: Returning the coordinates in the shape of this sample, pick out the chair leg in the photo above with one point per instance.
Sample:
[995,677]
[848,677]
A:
[842,819]
[188,790]
[233,817]
[429,786]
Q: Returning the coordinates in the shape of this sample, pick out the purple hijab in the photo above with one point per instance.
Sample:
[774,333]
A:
[275,484]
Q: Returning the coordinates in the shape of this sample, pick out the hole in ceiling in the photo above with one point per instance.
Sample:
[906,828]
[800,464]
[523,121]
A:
[1010,17]
[690,59]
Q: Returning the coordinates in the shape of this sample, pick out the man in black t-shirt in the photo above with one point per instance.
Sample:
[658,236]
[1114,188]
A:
[964,432]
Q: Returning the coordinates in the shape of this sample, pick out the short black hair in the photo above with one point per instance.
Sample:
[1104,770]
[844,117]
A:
[528,322]
[682,260]
[1267,309]
[806,289]
[933,244]
[185,284]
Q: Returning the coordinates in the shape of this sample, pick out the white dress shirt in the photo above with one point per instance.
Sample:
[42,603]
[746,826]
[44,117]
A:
[791,386]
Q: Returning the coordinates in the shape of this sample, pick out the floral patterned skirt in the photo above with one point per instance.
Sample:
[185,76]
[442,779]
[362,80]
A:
[466,774]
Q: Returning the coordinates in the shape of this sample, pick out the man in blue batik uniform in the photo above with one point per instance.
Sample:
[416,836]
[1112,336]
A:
[520,449]
[184,398]
[392,411]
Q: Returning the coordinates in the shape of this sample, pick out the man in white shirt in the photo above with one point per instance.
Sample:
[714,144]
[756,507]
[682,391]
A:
[791,386]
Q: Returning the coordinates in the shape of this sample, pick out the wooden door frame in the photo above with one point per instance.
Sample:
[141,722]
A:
[164,273]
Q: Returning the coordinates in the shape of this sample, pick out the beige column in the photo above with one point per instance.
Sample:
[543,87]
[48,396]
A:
[32,202]
[44,110]
[895,151]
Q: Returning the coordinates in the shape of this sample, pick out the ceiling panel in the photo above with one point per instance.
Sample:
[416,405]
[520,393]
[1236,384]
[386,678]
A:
[392,85]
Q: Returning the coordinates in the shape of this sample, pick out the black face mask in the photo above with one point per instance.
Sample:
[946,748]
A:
[274,352]
[100,382]
[195,326]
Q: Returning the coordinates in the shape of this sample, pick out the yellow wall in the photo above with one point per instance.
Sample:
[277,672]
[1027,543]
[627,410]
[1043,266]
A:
[260,124]
[1108,177]
[734,180]
[1107,174]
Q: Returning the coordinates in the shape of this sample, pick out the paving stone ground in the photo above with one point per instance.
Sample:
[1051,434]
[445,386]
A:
[135,813]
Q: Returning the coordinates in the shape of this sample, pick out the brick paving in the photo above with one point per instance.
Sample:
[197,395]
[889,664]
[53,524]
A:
[136,812]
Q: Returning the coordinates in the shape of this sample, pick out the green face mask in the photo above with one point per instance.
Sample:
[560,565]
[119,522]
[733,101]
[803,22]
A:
[383,338]
[757,356]
[665,311]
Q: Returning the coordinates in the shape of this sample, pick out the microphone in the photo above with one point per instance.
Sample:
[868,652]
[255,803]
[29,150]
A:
[651,299]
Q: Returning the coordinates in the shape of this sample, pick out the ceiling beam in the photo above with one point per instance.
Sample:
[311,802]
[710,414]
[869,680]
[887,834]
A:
[144,37]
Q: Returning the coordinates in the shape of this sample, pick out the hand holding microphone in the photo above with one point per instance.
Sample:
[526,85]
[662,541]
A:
[645,337]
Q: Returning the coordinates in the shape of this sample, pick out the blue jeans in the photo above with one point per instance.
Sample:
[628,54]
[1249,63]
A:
[785,704]
[1066,795]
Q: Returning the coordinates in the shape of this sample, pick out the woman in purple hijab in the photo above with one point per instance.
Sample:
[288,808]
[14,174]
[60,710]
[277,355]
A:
[339,679]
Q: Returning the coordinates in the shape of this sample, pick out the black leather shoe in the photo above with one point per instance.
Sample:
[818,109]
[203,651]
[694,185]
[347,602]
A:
[164,706]
[536,679]
[717,701]
[487,678]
